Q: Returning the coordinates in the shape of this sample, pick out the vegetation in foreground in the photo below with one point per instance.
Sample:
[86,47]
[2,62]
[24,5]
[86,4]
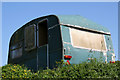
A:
[91,69]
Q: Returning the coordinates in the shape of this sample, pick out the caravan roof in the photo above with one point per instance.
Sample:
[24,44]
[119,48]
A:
[81,22]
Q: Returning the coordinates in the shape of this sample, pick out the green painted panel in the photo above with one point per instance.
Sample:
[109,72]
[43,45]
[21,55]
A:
[42,57]
[54,39]
[53,57]
[31,64]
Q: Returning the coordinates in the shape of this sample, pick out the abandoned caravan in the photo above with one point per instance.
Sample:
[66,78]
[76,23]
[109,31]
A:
[71,38]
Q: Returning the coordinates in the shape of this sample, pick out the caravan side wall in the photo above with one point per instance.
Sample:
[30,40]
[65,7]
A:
[84,53]
[36,46]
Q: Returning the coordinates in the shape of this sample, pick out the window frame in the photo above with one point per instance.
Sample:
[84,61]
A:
[15,47]
[27,49]
[38,32]
[16,52]
[86,47]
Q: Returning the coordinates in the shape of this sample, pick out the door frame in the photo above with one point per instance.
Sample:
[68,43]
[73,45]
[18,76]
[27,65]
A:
[37,37]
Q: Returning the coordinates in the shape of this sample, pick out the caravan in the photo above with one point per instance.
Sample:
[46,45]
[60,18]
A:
[71,38]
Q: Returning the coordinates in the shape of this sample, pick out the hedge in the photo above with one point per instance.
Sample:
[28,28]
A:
[91,69]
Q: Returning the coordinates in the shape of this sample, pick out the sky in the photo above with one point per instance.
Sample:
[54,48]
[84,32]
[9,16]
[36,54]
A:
[16,14]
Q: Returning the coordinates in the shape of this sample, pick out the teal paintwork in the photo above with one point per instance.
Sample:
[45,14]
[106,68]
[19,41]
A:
[81,21]
[109,47]
[80,55]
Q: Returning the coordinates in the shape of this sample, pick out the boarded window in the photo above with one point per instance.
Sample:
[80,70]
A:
[30,37]
[43,33]
[86,39]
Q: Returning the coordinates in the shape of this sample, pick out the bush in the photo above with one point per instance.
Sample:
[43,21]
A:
[84,70]
[0,72]
[91,69]
[16,71]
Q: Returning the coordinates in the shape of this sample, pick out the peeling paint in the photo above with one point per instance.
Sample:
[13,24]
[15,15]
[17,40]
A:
[105,55]
[84,54]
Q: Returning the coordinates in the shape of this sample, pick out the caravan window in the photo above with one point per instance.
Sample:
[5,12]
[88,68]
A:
[89,40]
[16,50]
[16,53]
[30,37]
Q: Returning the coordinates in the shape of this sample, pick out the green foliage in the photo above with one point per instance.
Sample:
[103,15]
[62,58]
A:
[92,69]
[16,71]
[0,72]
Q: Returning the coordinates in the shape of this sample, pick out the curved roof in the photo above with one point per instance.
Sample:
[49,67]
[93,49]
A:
[81,22]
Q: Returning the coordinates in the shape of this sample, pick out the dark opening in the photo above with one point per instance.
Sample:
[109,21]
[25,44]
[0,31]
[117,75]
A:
[43,33]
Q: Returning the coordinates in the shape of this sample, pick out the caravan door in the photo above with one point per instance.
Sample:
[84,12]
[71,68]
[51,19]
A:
[42,43]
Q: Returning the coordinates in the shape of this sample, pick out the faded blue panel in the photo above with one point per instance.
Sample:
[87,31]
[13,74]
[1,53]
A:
[81,21]
[98,55]
[65,33]
[80,55]
[109,42]
[42,57]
